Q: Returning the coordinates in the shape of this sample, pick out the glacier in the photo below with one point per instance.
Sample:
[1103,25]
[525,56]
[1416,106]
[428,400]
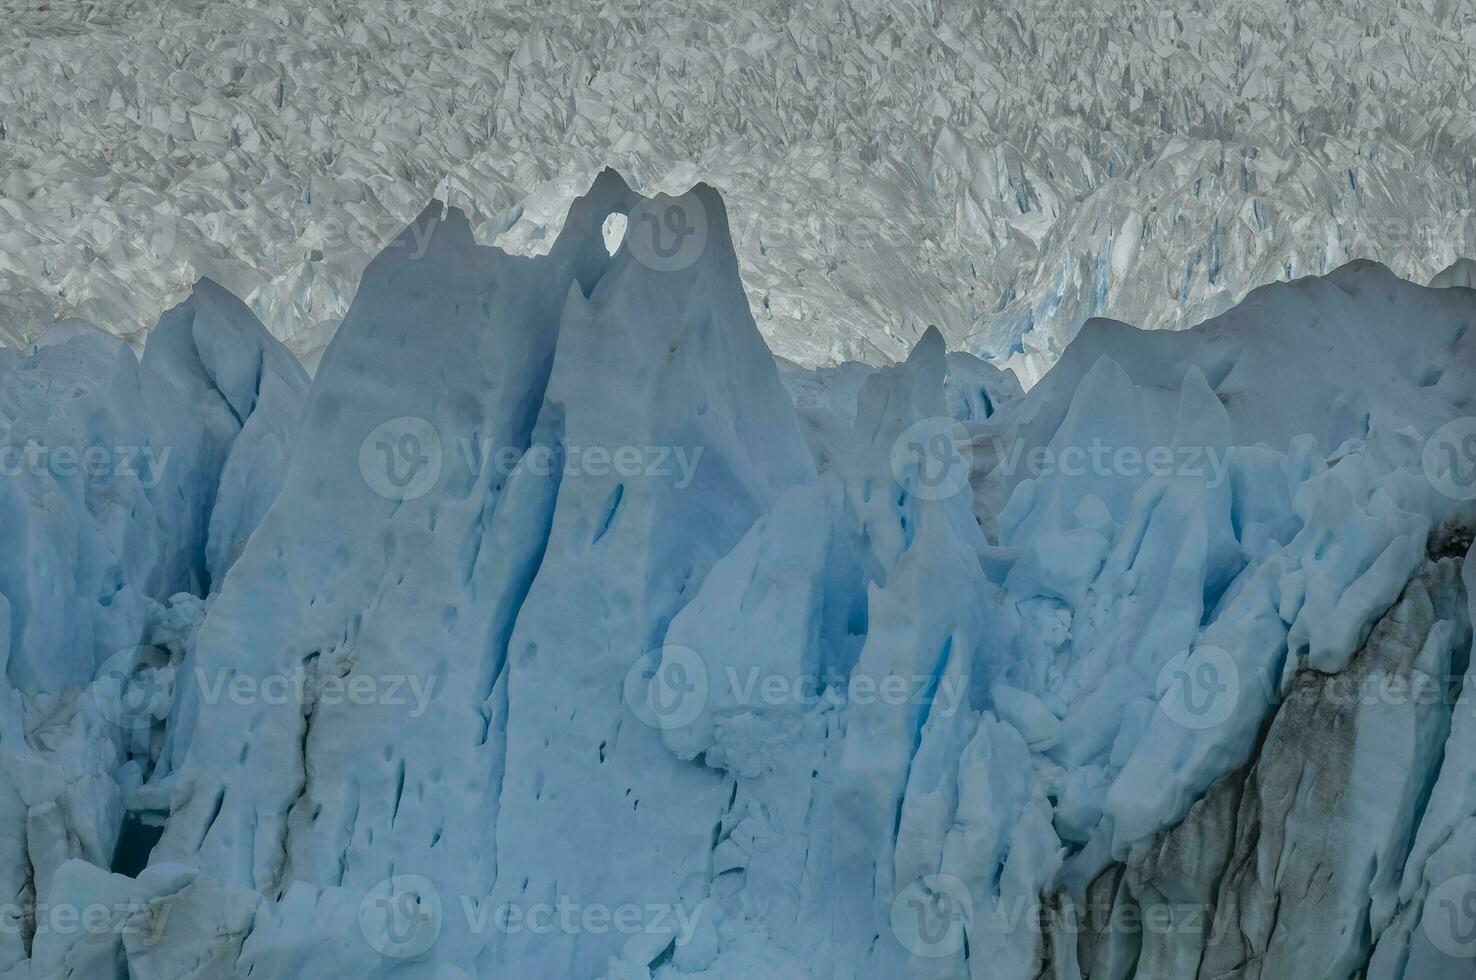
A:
[557,627]
[131,486]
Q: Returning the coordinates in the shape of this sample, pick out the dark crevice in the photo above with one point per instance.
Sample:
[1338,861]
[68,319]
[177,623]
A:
[136,842]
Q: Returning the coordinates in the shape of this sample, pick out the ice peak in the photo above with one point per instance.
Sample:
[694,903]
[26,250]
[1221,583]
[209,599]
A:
[1461,272]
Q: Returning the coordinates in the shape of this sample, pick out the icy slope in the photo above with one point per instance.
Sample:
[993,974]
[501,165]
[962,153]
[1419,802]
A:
[1003,173]
[127,488]
[524,546]
[583,640]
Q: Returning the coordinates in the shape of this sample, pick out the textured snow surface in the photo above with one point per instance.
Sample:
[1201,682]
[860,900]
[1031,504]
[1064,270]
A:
[557,629]
[1003,173]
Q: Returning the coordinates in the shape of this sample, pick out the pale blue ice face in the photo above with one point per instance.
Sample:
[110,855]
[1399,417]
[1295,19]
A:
[558,628]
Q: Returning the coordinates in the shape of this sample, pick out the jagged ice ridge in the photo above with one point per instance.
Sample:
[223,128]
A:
[562,521]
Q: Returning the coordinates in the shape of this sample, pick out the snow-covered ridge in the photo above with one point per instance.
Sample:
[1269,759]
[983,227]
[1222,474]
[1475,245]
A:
[1003,173]
[572,635]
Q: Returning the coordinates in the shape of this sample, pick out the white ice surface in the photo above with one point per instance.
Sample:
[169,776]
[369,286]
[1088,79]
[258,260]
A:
[1004,173]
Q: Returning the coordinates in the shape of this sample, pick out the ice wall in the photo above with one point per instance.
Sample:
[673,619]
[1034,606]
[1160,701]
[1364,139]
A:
[578,638]
[128,486]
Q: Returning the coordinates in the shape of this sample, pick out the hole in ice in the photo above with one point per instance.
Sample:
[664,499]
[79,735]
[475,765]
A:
[614,232]
[135,843]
